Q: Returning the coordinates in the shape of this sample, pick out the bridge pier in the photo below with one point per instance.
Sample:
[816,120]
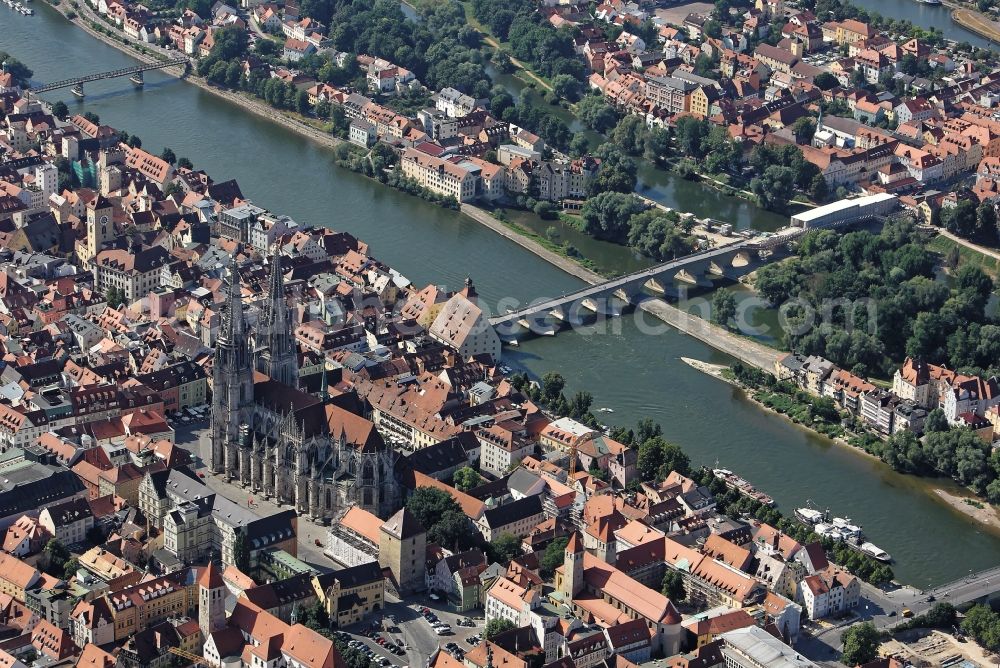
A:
[655,286]
[137,79]
[78,90]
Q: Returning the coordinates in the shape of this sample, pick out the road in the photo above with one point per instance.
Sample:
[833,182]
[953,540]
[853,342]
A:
[823,642]
[195,439]
[968,244]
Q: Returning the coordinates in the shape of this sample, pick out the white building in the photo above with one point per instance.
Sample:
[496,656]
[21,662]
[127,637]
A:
[458,178]
[753,647]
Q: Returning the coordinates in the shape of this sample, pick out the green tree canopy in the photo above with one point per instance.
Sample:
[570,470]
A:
[466,478]
[496,626]
[861,643]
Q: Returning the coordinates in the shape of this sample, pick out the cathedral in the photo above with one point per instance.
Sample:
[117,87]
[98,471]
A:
[315,453]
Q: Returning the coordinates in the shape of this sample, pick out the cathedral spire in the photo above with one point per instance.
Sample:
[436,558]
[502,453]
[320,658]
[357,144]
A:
[234,326]
[279,360]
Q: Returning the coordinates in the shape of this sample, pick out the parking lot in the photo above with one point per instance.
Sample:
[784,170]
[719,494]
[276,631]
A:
[404,635]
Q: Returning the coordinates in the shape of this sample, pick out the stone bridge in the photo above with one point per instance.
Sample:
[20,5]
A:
[731,261]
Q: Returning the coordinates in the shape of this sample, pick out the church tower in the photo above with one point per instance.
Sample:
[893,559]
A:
[232,382]
[279,360]
[572,575]
[100,227]
[211,601]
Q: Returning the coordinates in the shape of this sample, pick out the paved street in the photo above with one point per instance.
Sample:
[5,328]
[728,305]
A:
[195,439]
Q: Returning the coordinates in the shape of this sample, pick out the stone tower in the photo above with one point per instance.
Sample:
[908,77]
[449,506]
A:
[402,548]
[279,359]
[211,601]
[100,226]
[232,382]
[572,577]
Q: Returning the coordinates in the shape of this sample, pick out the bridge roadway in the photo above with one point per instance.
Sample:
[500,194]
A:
[634,280]
[113,74]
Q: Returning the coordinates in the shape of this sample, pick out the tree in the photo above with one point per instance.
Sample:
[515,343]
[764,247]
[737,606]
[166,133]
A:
[466,478]
[673,586]
[184,163]
[505,548]
[316,617]
[936,422]
[566,87]
[169,156]
[607,215]
[21,72]
[960,219]
[690,132]
[658,457]
[115,297]
[941,616]
[630,134]
[825,81]
[429,504]
[553,557]
[616,174]
[596,114]
[552,386]
[579,144]
[818,189]
[302,103]
[774,188]
[496,626]
[56,556]
[723,307]
[241,550]
[450,530]
[804,128]
[861,643]
[70,568]
[60,110]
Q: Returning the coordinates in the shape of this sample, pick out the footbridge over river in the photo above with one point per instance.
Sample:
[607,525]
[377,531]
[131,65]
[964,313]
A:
[731,261]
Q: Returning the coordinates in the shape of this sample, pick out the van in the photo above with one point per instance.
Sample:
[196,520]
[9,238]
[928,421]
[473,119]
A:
[907,612]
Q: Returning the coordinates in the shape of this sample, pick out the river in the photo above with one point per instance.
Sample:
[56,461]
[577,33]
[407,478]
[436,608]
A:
[925,16]
[636,374]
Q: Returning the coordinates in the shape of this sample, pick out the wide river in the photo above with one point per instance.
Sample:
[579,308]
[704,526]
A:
[637,374]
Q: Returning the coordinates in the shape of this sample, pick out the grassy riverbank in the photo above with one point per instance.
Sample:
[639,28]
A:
[977,23]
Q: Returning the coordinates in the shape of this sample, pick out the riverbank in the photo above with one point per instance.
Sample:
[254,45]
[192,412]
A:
[975,509]
[979,510]
[243,100]
[977,23]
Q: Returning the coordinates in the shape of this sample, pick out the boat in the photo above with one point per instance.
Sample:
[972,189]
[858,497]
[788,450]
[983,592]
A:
[809,516]
[874,551]
[825,530]
[605,410]
[742,486]
[847,530]
[929,2]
